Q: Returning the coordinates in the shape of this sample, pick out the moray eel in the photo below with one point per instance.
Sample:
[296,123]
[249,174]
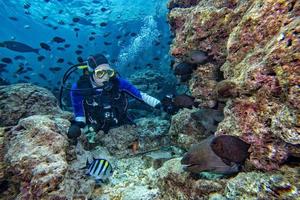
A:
[202,158]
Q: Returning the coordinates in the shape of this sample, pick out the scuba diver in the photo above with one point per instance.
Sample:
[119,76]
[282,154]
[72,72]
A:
[99,99]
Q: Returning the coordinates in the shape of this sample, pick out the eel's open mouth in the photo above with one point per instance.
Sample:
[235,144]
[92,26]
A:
[189,167]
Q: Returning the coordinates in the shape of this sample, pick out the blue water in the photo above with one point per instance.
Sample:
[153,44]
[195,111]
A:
[140,25]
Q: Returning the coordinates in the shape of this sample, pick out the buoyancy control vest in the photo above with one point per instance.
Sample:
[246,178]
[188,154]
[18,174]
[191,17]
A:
[104,108]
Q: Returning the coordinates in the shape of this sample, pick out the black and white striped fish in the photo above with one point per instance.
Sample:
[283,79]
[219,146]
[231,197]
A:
[99,168]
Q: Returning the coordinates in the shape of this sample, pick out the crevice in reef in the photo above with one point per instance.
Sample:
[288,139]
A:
[293,161]
[219,75]
[8,190]
[3,186]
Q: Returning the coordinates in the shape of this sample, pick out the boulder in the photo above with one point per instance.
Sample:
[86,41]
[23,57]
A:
[22,100]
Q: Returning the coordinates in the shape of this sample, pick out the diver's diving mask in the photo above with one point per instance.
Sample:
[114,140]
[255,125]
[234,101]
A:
[99,73]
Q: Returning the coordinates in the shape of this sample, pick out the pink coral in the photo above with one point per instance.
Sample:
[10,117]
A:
[264,79]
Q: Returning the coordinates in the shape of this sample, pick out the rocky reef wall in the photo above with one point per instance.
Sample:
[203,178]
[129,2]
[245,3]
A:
[254,67]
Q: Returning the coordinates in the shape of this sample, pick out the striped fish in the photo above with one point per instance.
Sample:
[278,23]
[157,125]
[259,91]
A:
[99,168]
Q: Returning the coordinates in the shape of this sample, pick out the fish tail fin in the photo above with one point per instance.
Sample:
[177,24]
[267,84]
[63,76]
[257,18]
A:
[99,182]
[82,168]
[87,163]
[2,44]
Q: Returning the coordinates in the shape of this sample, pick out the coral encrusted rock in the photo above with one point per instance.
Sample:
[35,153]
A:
[174,183]
[22,100]
[36,165]
[189,126]
[263,59]
[254,67]
[36,155]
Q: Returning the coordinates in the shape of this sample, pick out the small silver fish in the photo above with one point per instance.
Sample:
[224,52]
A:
[100,169]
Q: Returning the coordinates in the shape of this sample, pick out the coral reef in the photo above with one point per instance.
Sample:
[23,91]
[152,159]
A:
[189,126]
[185,131]
[157,158]
[36,155]
[258,185]
[176,184]
[130,181]
[36,165]
[246,55]
[153,133]
[147,134]
[202,85]
[3,182]
[263,59]
[256,46]
[118,140]
[182,3]
[226,89]
[202,3]
[23,100]
[205,28]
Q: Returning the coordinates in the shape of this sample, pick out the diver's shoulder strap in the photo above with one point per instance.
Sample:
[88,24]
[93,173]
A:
[84,82]
[85,86]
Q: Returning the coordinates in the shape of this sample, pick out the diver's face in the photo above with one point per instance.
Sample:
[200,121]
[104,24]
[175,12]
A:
[100,80]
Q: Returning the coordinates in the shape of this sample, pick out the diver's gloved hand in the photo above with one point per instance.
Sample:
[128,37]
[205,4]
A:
[74,130]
